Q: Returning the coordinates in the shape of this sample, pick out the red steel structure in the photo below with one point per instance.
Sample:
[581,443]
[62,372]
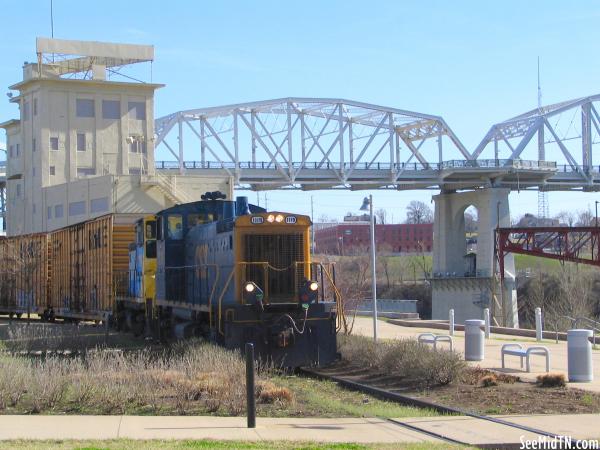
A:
[572,244]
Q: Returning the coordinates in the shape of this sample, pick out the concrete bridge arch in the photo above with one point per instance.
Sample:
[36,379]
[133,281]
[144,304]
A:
[453,284]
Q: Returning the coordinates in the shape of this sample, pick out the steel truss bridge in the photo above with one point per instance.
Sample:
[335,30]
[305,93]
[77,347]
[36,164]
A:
[319,143]
[570,244]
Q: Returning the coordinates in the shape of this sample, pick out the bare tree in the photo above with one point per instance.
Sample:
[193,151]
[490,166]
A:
[384,261]
[566,217]
[353,284]
[585,218]
[418,212]
[381,215]
[324,218]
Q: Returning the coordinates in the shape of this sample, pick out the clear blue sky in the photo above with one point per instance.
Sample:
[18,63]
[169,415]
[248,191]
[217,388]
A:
[474,63]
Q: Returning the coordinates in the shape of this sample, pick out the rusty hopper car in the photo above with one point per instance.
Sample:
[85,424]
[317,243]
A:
[24,274]
[86,261]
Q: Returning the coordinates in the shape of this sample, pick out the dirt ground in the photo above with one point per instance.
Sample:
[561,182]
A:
[509,396]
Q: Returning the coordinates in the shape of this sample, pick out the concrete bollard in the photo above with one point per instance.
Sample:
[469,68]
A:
[486,319]
[538,324]
[451,323]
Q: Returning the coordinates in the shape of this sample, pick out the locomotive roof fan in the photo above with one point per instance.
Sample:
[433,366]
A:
[214,195]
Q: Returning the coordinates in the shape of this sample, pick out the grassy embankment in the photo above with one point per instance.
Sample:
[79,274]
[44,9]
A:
[190,378]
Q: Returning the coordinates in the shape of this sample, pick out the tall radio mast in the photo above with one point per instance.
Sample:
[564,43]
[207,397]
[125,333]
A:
[543,204]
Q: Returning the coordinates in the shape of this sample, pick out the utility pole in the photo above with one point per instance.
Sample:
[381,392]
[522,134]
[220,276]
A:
[312,219]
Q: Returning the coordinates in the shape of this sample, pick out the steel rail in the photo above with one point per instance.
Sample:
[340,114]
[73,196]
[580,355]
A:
[418,403]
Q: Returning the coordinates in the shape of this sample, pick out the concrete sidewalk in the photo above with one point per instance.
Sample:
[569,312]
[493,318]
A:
[207,427]
[356,430]
[558,352]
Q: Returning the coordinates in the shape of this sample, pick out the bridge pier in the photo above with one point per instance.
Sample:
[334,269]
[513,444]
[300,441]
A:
[467,283]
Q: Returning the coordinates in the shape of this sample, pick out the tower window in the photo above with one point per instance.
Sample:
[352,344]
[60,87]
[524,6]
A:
[52,170]
[35,106]
[33,145]
[81,142]
[137,110]
[84,107]
[26,111]
[53,143]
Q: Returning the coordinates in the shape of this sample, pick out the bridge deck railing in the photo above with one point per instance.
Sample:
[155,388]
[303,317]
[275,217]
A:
[453,164]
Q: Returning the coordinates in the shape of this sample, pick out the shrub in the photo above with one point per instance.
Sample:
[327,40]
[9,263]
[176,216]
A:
[405,358]
[267,392]
[489,381]
[551,380]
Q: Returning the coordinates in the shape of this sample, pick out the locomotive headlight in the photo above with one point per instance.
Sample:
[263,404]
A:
[309,292]
[279,218]
[253,294]
[270,218]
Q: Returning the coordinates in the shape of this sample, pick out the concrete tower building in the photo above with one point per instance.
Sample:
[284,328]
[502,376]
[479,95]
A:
[84,144]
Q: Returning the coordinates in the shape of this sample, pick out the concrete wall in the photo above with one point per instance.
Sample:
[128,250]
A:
[451,288]
[119,194]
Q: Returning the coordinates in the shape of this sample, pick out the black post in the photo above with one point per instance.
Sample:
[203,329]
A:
[106,329]
[250,400]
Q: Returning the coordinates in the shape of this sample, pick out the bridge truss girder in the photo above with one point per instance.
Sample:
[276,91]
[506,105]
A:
[569,126]
[566,244]
[294,136]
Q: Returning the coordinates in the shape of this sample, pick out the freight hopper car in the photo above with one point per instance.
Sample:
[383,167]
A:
[250,278]
[24,275]
[89,264]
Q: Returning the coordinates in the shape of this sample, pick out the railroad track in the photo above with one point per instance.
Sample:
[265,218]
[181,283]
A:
[418,403]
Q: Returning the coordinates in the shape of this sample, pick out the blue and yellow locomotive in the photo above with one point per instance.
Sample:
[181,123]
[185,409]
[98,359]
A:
[235,273]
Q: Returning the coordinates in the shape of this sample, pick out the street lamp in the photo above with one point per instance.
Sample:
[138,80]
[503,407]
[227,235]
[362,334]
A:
[368,205]
[596,221]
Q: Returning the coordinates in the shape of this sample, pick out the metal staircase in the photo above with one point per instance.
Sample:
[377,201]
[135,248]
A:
[167,185]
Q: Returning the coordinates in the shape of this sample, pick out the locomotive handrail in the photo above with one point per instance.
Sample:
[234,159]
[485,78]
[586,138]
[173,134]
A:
[212,292]
[221,299]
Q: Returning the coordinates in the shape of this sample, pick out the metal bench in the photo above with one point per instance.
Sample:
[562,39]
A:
[518,350]
[430,338]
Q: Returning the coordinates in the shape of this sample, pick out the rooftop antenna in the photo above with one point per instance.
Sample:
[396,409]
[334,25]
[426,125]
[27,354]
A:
[52,23]
[52,19]
[539,87]
[543,204]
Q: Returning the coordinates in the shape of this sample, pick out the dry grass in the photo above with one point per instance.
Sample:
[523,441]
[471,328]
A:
[489,380]
[551,380]
[475,375]
[269,393]
[405,358]
[191,377]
